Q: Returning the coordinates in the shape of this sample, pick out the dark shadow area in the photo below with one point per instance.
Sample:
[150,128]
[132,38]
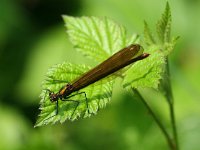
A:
[39,16]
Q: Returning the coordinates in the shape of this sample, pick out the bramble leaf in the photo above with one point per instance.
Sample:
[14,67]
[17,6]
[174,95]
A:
[98,95]
[96,37]
[148,37]
[164,25]
[148,72]
[163,33]
[168,47]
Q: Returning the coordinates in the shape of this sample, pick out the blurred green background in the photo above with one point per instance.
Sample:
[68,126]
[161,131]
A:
[33,38]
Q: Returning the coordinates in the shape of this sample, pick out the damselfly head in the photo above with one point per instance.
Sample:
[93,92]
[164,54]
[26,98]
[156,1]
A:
[53,97]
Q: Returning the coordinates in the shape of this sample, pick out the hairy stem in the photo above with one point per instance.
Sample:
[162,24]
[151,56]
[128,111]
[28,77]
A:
[158,122]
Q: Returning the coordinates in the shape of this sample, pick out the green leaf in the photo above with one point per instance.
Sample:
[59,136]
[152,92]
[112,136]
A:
[148,37]
[148,72]
[163,32]
[97,38]
[98,95]
[168,47]
[164,25]
[132,39]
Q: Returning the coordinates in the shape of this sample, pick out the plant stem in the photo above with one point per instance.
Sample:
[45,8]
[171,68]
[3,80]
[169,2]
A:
[160,125]
[173,122]
[171,107]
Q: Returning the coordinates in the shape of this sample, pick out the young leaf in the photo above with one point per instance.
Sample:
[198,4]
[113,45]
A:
[95,37]
[163,32]
[98,95]
[148,37]
[164,25]
[168,47]
[148,72]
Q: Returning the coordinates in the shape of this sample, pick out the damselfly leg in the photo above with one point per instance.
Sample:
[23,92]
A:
[66,99]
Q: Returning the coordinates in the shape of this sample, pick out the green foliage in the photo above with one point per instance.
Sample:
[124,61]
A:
[124,122]
[164,25]
[148,37]
[148,72]
[98,38]
[166,45]
[98,95]
[163,29]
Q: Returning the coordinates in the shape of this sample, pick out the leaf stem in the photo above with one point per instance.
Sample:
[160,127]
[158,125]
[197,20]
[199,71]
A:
[158,122]
[173,122]
[171,108]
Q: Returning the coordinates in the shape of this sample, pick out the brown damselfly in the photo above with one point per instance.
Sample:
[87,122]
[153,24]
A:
[117,61]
